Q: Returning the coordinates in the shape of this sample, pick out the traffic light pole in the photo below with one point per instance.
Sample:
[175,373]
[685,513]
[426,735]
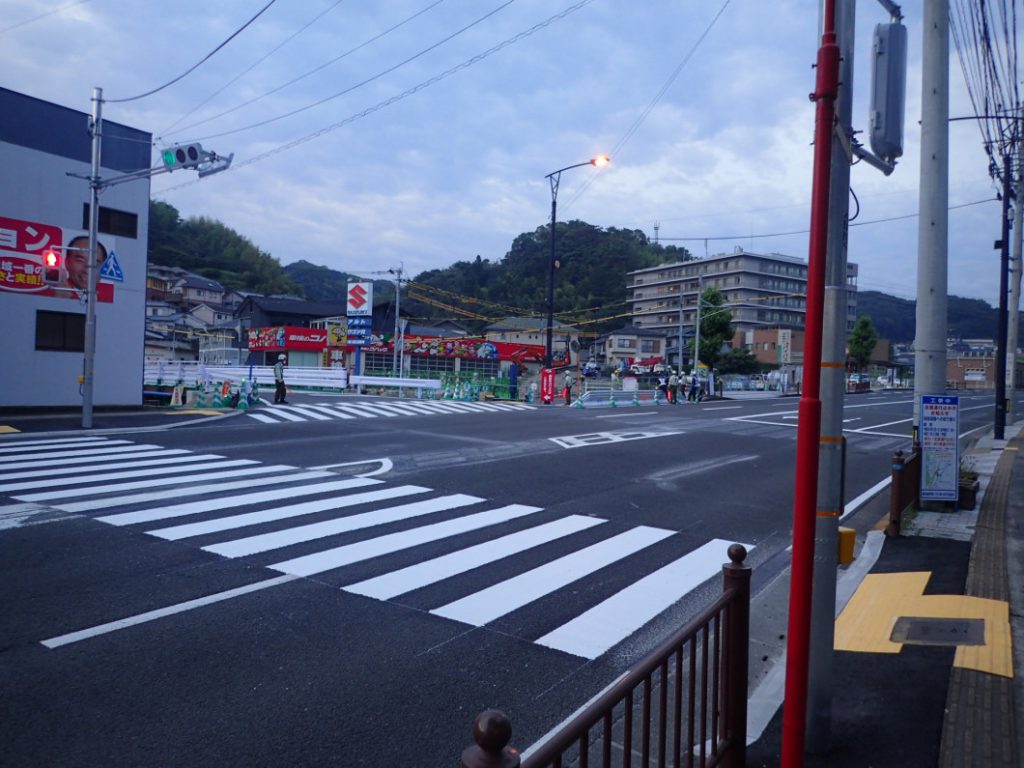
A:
[96,131]
[214,164]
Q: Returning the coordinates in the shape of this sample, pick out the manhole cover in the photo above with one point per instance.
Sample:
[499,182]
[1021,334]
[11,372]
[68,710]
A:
[930,631]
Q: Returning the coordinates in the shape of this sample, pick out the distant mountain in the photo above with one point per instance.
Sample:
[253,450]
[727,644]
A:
[326,284]
[894,318]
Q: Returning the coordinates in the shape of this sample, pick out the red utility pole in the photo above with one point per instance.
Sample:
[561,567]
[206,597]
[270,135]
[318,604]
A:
[794,718]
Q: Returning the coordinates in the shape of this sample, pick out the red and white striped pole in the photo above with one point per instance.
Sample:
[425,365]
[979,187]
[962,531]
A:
[794,718]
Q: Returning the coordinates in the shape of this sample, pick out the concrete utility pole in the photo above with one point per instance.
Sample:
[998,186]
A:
[1004,268]
[933,222]
[1015,273]
[89,362]
[833,385]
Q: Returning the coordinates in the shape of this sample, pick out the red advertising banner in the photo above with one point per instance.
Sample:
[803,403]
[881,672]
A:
[22,246]
[285,337]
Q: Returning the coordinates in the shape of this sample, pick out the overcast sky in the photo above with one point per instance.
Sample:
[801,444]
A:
[423,162]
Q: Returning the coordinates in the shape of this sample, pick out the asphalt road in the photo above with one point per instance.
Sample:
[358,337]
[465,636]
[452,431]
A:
[350,580]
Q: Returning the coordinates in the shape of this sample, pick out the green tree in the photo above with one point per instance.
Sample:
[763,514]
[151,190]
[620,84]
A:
[740,361]
[211,249]
[715,326]
[862,342]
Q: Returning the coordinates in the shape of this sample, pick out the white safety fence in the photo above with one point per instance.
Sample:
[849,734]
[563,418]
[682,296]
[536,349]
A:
[193,374]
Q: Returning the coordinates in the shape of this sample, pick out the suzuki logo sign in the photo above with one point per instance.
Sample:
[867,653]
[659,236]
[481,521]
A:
[359,302]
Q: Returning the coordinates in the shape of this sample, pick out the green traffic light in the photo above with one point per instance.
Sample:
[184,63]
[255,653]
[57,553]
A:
[168,158]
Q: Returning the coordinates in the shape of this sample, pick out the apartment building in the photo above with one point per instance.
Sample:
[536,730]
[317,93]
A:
[761,290]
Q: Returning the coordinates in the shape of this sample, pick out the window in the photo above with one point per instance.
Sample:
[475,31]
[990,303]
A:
[60,331]
[430,364]
[623,343]
[483,367]
[113,222]
[648,346]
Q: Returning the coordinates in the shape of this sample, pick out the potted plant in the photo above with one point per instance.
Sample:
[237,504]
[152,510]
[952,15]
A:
[968,484]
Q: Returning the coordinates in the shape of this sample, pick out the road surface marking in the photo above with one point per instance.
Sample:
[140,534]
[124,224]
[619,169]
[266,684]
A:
[394,542]
[504,597]
[628,415]
[16,446]
[176,480]
[159,462]
[283,513]
[227,502]
[82,479]
[142,618]
[596,630]
[428,572]
[58,459]
[108,502]
[265,542]
[607,438]
[724,408]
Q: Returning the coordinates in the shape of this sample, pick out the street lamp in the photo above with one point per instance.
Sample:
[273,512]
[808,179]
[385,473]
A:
[554,177]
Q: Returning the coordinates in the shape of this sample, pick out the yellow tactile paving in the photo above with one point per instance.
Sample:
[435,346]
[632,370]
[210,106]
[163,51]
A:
[867,621]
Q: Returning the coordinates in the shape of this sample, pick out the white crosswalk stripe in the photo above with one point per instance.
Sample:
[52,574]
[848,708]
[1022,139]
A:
[368,409]
[242,508]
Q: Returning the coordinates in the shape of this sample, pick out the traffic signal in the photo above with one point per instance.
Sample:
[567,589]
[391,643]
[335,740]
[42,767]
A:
[183,156]
[51,266]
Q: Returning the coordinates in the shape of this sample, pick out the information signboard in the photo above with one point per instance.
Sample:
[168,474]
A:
[940,447]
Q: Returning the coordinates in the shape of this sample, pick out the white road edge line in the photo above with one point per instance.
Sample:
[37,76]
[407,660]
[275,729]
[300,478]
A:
[159,613]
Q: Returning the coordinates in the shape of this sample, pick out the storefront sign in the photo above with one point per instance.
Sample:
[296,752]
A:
[287,337]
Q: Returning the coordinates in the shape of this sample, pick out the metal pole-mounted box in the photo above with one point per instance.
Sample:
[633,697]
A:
[888,90]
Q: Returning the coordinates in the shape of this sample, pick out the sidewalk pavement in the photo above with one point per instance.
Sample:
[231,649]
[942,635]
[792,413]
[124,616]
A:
[929,637]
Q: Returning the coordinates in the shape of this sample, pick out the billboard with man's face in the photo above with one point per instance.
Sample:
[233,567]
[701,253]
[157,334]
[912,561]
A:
[23,245]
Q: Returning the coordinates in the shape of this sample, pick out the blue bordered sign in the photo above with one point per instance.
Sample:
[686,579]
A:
[940,447]
[111,269]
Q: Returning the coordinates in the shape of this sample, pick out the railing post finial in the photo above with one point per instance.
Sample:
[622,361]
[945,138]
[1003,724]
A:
[492,731]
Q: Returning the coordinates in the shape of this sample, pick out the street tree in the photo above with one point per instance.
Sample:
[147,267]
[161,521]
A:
[715,326]
[862,342]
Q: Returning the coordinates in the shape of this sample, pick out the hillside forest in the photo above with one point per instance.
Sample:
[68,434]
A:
[590,284]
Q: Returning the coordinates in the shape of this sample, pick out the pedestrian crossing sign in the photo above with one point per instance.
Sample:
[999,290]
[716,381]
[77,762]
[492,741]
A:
[111,269]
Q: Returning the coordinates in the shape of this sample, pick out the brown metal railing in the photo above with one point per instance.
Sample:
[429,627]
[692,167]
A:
[685,704]
[904,488]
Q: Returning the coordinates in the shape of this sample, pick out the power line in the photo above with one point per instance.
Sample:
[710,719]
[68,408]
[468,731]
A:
[368,80]
[647,110]
[405,94]
[256,63]
[316,69]
[195,66]
[806,231]
[42,16]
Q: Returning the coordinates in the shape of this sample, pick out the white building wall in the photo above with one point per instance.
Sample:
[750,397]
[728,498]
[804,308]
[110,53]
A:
[34,186]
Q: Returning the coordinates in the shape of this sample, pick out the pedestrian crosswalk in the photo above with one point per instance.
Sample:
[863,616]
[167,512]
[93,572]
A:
[456,556]
[372,409]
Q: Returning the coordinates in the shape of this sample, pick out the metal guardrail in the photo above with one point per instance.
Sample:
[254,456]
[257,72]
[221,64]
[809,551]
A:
[689,696]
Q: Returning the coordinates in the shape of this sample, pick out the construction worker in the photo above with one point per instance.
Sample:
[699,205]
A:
[279,388]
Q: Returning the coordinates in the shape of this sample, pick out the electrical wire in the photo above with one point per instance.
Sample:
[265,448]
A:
[399,97]
[854,196]
[621,143]
[42,16]
[195,66]
[256,63]
[316,69]
[360,84]
[806,231]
